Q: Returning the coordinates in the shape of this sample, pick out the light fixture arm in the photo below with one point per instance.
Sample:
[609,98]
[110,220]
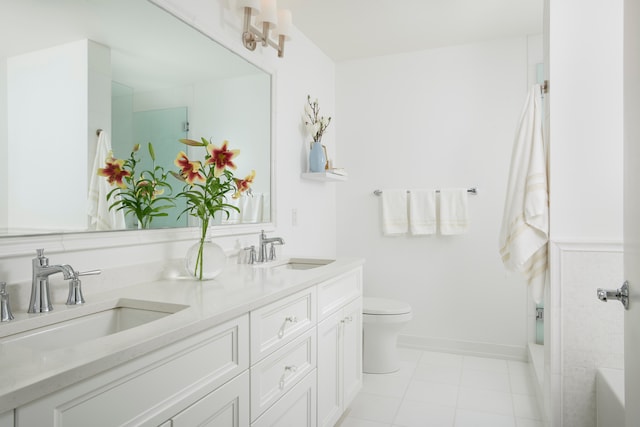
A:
[251,35]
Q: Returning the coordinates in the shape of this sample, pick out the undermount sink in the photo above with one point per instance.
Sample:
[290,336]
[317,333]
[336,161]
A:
[296,263]
[87,324]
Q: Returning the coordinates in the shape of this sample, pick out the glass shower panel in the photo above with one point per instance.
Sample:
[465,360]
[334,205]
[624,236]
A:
[163,128]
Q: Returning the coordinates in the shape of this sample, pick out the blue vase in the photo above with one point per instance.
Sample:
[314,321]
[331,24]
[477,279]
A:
[317,159]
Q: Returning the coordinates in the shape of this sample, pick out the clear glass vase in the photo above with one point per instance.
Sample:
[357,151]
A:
[205,260]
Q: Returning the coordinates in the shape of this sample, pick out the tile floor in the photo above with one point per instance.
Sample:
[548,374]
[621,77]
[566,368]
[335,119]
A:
[447,390]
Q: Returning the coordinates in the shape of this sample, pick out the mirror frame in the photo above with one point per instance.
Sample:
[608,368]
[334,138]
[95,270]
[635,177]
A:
[14,246]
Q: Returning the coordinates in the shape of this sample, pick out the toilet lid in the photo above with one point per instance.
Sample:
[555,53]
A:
[372,305]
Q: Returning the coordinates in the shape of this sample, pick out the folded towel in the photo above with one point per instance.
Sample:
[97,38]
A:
[266,207]
[100,217]
[394,212]
[252,208]
[422,212]
[454,211]
[235,217]
[525,223]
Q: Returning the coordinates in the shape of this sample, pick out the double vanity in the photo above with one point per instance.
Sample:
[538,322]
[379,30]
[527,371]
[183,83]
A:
[269,344]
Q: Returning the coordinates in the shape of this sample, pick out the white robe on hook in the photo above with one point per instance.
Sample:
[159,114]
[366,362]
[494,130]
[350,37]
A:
[524,234]
[100,217]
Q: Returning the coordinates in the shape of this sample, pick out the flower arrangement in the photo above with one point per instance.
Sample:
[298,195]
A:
[316,125]
[140,195]
[207,186]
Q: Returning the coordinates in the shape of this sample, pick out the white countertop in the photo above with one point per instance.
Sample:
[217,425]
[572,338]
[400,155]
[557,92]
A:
[26,374]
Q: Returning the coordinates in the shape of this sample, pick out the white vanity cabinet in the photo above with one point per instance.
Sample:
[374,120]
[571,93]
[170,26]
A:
[339,345]
[153,388]
[295,360]
[6,419]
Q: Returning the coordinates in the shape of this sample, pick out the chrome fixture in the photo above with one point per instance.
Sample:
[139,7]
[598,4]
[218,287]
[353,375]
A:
[5,308]
[40,296]
[621,294]
[75,287]
[472,190]
[264,241]
[267,20]
[252,254]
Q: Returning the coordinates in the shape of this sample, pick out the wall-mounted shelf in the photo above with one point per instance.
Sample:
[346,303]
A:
[324,176]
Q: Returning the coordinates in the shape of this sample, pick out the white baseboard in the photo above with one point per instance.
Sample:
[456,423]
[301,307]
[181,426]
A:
[469,348]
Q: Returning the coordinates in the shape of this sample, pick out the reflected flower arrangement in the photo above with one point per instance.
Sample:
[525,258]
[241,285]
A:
[141,194]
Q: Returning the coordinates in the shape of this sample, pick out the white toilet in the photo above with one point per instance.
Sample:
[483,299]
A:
[382,320]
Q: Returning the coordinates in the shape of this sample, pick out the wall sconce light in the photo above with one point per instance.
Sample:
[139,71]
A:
[268,22]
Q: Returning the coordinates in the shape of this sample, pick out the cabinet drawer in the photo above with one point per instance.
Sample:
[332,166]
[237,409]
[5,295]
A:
[227,406]
[275,375]
[150,389]
[276,324]
[335,293]
[296,408]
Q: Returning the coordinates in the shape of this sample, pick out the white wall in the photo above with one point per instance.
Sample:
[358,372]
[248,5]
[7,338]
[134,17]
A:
[304,69]
[436,119]
[49,116]
[4,161]
[585,127]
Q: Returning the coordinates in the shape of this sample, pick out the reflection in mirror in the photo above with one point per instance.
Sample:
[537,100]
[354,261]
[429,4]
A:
[70,67]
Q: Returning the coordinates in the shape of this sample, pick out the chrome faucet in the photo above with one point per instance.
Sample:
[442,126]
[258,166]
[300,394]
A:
[264,241]
[40,299]
[5,308]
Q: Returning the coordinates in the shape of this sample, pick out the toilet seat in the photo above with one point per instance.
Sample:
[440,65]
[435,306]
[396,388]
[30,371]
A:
[384,306]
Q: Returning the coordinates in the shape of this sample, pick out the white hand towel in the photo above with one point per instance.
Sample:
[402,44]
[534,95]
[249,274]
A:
[100,217]
[422,212]
[235,217]
[454,211]
[525,223]
[252,208]
[394,212]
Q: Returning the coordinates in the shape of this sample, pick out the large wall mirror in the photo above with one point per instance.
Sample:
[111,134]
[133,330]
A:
[71,67]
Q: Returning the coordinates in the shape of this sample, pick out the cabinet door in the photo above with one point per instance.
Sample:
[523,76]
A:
[329,360]
[228,406]
[295,409]
[352,351]
[149,389]
[339,362]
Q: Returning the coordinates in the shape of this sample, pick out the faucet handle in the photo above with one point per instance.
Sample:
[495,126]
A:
[75,296]
[252,254]
[75,292]
[88,273]
[5,308]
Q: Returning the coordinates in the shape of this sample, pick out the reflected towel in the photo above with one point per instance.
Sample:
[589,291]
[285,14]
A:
[235,217]
[266,207]
[422,212]
[395,219]
[252,208]
[100,217]
[454,211]
[525,223]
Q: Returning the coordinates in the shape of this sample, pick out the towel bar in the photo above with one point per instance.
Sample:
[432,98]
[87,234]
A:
[472,190]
